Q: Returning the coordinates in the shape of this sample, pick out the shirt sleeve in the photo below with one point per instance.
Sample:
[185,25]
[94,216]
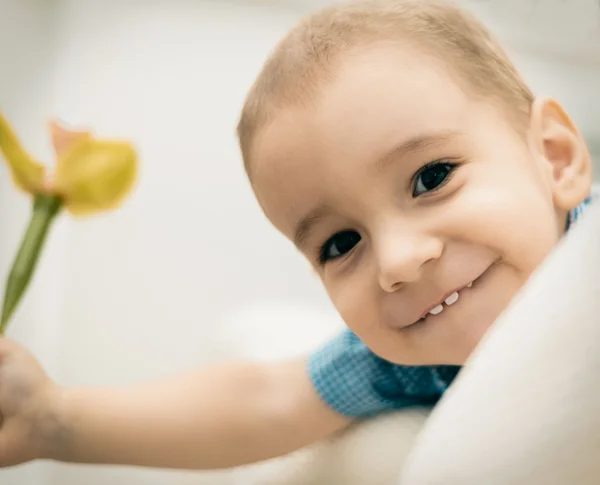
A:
[357,383]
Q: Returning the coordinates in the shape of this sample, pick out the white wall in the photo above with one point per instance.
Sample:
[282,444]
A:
[147,291]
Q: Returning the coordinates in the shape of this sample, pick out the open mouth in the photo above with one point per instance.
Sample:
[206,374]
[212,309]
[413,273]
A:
[446,302]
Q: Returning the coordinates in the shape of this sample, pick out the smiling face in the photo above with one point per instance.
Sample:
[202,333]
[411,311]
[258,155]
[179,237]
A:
[422,208]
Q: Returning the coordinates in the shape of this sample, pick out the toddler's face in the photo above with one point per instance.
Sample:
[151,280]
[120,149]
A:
[421,208]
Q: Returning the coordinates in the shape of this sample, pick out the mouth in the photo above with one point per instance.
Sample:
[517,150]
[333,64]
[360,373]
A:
[447,301]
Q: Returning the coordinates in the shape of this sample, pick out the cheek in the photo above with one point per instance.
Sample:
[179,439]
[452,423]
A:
[355,298]
[516,220]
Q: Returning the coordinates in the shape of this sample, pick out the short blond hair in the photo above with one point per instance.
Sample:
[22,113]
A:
[304,59]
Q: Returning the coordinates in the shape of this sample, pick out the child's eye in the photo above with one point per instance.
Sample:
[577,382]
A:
[338,245]
[431,177]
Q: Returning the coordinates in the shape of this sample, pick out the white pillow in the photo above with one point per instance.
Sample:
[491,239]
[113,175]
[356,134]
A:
[525,410]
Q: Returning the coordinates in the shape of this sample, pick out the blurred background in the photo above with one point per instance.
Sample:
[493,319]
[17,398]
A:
[190,264]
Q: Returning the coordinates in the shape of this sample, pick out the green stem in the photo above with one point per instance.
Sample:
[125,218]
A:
[45,209]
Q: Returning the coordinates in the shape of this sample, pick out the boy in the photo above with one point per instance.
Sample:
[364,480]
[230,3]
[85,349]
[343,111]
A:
[399,149]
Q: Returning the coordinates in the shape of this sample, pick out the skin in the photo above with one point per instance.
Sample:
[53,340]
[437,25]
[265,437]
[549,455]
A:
[355,161]
[357,156]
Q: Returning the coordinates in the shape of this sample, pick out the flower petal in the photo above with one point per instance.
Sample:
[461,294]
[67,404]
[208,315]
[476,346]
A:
[28,174]
[95,175]
[63,139]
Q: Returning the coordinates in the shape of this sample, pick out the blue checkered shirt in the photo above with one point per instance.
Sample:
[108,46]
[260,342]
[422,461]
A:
[357,383]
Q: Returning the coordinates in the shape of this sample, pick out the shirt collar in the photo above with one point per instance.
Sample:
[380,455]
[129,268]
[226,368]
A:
[576,213]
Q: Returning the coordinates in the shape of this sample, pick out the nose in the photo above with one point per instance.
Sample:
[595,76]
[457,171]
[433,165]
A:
[402,254]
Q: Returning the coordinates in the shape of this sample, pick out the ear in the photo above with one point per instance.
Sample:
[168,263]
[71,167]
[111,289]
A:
[564,153]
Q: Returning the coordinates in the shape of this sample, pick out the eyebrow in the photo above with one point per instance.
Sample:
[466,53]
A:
[413,145]
[416,144]
[307,223]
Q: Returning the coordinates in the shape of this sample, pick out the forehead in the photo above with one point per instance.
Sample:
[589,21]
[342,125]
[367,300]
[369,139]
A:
[377,98]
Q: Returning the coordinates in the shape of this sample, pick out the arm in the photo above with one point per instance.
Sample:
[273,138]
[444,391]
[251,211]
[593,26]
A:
[219,417]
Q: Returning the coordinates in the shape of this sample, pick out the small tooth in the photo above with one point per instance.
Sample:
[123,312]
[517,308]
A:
[453,298]
[470,284]
[436,310]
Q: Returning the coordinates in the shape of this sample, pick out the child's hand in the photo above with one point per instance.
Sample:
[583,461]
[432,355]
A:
[28,399]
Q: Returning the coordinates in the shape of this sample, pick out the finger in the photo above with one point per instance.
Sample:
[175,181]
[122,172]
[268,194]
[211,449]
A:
[9,448]
[6,345]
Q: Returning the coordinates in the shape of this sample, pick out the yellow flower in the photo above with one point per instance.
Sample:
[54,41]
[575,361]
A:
[91,175]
